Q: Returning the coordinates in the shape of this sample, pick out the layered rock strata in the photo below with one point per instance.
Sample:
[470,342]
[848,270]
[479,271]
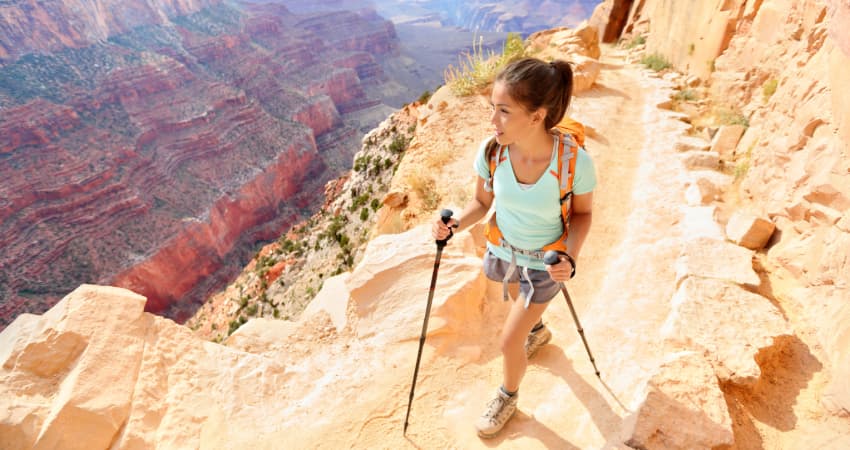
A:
[155,157]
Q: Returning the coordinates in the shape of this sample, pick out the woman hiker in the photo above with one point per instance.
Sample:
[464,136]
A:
[529,98]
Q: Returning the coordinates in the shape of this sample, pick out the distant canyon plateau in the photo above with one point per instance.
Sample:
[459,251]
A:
[155,145]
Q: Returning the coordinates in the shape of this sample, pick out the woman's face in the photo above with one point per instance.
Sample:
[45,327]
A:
[513,122]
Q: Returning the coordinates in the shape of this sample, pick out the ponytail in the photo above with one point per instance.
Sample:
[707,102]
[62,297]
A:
[562,95]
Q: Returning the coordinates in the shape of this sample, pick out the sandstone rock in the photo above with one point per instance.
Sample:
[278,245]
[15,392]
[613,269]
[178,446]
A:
[333,299]
[672,77]
[844,224]
[394,263]
[81,410]
[609,17]
[830,301]
[726,141]
[585,72]
[395,199]
[838,77]
[701,191]
[713,258]
[589,38]
[689,144]
[732,324]
[699,221]
[684,408]
[689,111]
[580,46]
[701,160]
[826,190]
[749,230]
[129,380]
[824,214]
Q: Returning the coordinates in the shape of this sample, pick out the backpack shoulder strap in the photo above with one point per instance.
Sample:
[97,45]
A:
[494,153]
[566,172]
[572,127]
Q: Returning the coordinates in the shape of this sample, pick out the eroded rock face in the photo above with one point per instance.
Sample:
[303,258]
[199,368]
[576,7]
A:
[582,46]
[155,158]
[50,26]
[730,323]
[524,16]
[125,378]
[684,408]
[780,64]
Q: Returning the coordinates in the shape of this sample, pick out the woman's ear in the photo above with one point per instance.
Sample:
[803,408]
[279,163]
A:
[539,115]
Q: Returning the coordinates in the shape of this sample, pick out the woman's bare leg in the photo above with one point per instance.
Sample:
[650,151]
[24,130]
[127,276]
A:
[518,324]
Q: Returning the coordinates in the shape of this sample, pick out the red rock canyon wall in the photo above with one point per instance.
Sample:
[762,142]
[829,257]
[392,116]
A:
[151,149]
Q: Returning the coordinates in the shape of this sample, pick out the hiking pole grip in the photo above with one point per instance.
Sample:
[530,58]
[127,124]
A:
[553,257]
[445,216]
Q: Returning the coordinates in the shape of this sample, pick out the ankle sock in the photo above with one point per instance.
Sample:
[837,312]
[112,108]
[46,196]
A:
[505,391]
[538,326]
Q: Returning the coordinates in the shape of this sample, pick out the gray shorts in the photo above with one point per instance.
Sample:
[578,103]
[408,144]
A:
[545,288]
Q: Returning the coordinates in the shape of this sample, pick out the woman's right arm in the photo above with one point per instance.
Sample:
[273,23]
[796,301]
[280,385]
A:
[473,212]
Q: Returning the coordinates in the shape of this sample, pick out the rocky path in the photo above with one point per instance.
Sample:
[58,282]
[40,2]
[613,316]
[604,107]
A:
[348,372]
[622,297]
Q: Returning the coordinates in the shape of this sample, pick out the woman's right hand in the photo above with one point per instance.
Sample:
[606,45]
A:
[440,230]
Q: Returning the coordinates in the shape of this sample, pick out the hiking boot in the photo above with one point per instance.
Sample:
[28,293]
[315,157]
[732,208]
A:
[499,411]
[537,339]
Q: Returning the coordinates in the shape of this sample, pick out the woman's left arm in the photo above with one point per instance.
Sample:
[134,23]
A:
[580,219]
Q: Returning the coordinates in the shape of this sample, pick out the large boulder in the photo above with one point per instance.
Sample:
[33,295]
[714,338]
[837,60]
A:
[729,322]
[684,408]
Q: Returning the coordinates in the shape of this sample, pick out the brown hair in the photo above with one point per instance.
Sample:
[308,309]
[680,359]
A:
[537,84]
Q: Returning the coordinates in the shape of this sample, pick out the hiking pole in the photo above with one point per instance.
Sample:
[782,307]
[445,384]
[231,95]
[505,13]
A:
[445,215]
[551,258]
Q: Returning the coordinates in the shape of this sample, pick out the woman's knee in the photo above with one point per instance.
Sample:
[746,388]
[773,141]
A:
[509,342]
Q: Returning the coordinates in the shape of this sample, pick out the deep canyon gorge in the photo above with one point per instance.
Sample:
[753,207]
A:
[151,148]
[154,145]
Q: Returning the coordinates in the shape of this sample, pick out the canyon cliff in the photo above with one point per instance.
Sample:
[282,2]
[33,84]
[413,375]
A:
[151,145]
[778,69]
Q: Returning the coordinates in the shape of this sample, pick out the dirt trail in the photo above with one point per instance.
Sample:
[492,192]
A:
[350,392]
[622,115]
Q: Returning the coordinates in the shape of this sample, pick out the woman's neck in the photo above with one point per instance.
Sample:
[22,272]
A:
[537,145]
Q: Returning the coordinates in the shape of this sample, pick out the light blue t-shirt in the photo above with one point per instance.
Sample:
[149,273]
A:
[531,218]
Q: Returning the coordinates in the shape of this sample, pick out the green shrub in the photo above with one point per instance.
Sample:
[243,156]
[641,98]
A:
[729,117]
[769,88]
[399,144]
[639,40]
[743,165]
[685,95]
[656,62]
[741,169]
[423,99]
[364,214]
[477,70]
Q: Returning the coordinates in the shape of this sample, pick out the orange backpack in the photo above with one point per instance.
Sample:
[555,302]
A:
[570,134]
